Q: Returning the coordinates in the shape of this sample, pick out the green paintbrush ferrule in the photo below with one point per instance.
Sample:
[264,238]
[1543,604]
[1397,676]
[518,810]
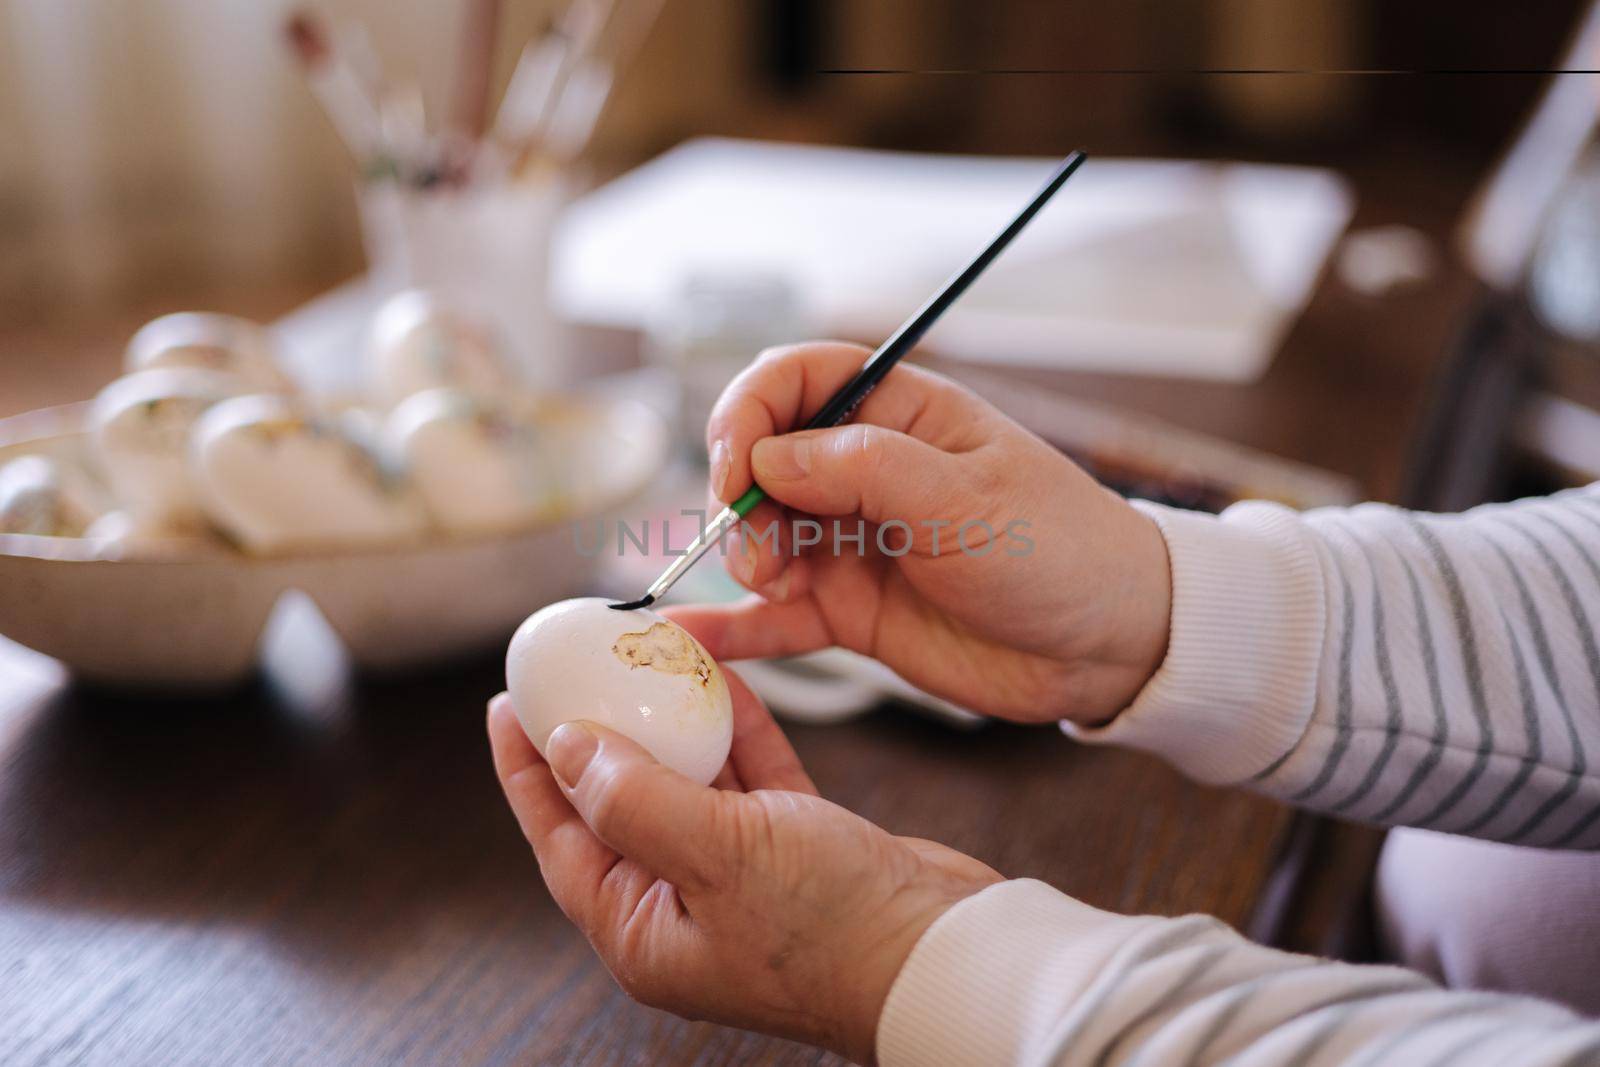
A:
[745,504]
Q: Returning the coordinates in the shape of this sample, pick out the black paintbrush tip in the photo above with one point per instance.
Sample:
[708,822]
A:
[633,605]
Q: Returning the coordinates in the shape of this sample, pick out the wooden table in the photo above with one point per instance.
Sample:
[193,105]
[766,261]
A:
[321,869]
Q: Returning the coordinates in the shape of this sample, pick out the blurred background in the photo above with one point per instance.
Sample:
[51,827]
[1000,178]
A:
[160,149]
[1324,251]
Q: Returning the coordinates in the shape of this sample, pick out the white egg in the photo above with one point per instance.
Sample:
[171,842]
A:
[40,495]
[277,477]
[478,466]
[632,671]
[210,342]
[417,343]
[140,425]
[127,537]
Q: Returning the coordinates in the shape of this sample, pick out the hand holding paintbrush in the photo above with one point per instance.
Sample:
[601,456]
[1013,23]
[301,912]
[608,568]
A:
[842,405]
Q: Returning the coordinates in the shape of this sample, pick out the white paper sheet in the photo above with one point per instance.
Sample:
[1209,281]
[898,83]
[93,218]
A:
[1137,266]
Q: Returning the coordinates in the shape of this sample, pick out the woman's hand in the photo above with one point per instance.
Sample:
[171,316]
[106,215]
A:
[751,902]
[1056,607]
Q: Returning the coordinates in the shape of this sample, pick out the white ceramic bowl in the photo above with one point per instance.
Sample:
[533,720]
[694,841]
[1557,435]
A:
[192,617]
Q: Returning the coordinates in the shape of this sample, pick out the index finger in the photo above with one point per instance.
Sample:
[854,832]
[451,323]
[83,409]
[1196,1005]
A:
[761,754]
[784,386]
[755,628]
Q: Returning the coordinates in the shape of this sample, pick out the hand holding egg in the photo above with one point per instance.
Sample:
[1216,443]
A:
[689,893]
[633,671]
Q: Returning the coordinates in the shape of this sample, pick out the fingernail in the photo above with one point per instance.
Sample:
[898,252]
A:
[782,458]
[747,558]
[569,751]
[777,590]
[721,464]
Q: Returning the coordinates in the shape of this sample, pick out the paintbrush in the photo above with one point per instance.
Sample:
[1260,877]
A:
[480,25]
[533,79]
[578,111]
[541,74]
[589,87]
[845,402]
[342,92]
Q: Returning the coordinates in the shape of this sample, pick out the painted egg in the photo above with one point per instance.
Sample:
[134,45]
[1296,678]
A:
[140,425]
[210,341]
[277,477]
[39,495]
[478,466]
[632,671]
[418,343]
[125,536]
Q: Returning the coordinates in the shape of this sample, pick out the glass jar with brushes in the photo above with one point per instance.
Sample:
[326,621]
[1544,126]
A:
[482,245]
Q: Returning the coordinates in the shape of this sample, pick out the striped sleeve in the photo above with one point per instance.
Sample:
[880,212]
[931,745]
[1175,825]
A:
[1388,666]
[1020,974]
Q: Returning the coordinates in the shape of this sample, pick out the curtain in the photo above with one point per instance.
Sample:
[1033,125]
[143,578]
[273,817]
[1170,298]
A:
[142,141]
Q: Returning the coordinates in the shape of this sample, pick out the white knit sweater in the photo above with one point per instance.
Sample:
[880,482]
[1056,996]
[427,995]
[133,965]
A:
[1419,670]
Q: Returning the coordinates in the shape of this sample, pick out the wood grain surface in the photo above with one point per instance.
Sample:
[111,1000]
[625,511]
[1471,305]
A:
[321,871]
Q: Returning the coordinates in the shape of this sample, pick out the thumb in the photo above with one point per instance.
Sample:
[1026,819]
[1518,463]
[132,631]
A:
[859,469]
[647,812]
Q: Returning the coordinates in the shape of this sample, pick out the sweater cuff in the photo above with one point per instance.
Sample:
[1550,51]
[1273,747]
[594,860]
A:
[991,974]
[1238,686]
